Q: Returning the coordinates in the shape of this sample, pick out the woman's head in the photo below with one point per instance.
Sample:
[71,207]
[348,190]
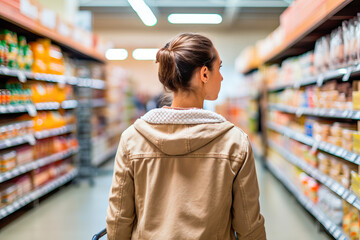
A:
[186,57]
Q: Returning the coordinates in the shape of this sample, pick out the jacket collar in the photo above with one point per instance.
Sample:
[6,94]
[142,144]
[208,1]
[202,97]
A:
[182,116]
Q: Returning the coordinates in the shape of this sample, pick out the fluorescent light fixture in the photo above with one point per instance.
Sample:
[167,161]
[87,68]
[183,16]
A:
[145,53]
[116,54]
[179,18]
[144,12]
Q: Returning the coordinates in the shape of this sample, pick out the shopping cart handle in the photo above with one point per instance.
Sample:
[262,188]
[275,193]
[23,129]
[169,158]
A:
[100,234]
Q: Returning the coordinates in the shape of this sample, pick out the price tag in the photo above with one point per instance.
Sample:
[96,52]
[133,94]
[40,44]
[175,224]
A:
[320,80]
[21,76]
[316,144]
[30,108]
[299,112]
[8,143]
[345,194]
[353,157]
[61,82]
[357,115]
[337,233]
[3,212]
[351,198]
[30,139]
[347,75]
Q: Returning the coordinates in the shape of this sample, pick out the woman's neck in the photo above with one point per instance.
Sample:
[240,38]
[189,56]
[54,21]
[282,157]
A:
[187,100]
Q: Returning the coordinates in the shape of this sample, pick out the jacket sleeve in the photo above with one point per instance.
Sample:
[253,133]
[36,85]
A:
[121,210]
[247,220]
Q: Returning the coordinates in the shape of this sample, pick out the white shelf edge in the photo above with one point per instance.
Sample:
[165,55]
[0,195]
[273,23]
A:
[53,78]
[320,112]
[327,76]
[55,132]
[331,227]
[38,193]
[36,164]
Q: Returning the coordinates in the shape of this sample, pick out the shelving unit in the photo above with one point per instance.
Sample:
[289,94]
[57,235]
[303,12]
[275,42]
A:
[11,13]
[321,145]
[31,25]
[296,35]
[12,142]
[38,193]
[36,164]
[315,173]
[331,227]
[318,112]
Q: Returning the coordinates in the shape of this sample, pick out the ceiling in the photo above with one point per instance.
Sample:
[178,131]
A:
[237,14]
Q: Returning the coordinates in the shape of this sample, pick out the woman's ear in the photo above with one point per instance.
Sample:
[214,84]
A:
[204,74]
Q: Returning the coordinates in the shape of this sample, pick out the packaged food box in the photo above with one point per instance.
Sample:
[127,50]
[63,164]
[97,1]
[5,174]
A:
[7,161]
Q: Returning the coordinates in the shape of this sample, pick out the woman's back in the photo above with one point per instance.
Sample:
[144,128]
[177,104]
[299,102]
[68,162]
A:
[186,174]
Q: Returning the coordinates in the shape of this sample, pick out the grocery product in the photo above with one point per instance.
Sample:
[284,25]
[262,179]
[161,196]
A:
[7,160]
[48,58]
[14,51]
[14,93]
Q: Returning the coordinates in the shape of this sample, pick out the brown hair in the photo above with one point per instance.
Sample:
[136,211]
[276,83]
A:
[181,56]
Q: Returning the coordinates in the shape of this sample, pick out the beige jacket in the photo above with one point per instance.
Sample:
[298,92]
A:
[184,174]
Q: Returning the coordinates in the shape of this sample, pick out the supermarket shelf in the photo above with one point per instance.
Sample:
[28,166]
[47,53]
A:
[344,73]
[5,109]
[4,212]
[100,102]
[24,75]
[53,78]
[328,16]
[36,164]
[324,146]
[315,173]
[331,227]
[105,157]
[55,132]
[47,106]
[319,112]
[68,104]
[11,15]
[29,138]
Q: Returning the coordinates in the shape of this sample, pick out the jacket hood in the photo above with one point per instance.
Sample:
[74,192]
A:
[179,132]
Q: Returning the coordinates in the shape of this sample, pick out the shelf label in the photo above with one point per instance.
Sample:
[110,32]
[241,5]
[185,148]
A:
[357,115]
[299,112]
[30,139]
[30,108]
[351,198]
[48,18]
[320,80]
[316,144]
[28,9]
[347,75]
[21,76]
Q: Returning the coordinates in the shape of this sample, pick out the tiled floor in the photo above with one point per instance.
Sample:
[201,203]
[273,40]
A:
[77,212]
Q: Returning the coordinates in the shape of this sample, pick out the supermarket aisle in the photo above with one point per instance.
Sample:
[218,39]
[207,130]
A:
[78,211]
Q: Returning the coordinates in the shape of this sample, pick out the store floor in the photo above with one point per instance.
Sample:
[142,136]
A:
[77,212]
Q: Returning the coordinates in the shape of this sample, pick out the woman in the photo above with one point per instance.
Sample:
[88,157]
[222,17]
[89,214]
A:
[182,172]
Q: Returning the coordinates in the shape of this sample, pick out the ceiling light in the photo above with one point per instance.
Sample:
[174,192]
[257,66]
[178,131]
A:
[116,54]
[177,18]
[145,53]
[144,12]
